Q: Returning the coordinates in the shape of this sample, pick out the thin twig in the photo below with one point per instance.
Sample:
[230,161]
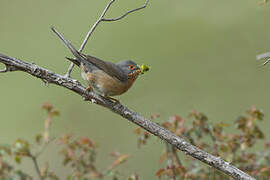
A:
[176,157]
[264,56]
[100,19]
[148,125]
[46,144]
[124,15]
[170,162]
[266,62]
[95,25]
[34,159]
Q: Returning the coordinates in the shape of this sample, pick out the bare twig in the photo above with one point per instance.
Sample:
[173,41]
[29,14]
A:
[176,157]
[151,127]
[100,19]
[124,15]
[170,161]
[45,145]
[264,56]
[37,168]
[95,25]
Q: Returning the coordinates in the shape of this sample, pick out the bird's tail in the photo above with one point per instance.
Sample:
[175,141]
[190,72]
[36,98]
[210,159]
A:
[78,57]
[74,60]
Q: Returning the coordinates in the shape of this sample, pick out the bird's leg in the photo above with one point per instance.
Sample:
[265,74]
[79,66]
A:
[88,88]
[115,101]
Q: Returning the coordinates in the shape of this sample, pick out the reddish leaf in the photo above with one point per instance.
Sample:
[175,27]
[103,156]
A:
[47,106]
[160,172]
[163,156]
[121,159]
[267,145]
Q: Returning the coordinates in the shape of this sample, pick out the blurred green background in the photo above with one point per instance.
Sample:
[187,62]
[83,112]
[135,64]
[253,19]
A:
[202,55]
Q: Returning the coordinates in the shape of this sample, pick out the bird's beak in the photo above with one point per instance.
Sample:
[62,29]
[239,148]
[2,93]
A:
[143,68]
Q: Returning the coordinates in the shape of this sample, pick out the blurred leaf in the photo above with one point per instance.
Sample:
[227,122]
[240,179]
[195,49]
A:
[18,159]
[55,113]
[137,131]
[121,159]
[163,156]
[22,175]
[115,154]
[267,144]
[44,170]
[133,177]
[154,116]
[21,147]
[256,113]
[5,150]
[38,138]
[87,141]
[52,176]
[258,133]
[47,106]
[160,172]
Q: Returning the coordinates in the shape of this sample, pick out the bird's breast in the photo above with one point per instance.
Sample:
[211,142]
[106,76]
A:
[106,85]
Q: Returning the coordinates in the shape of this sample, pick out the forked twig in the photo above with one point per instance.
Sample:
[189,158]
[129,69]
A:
[100,19]
[124,15]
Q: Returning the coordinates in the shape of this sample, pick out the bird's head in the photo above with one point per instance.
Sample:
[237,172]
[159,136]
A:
[131,69]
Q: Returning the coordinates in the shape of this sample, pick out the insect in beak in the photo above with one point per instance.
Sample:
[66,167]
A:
[144,68]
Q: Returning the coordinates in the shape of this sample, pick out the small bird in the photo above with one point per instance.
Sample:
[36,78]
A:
[103,77]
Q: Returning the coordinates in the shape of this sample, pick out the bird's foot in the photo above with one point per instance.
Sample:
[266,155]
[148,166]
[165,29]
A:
[88,88]
[115,101]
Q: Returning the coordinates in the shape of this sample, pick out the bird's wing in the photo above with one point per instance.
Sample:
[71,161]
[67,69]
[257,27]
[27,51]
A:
[108,67]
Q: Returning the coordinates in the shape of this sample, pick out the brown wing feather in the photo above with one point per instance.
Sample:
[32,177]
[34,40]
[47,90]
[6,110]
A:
[108,67]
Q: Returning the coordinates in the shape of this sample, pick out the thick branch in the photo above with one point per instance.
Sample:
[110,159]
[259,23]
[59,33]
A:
[100,19]
[132,116]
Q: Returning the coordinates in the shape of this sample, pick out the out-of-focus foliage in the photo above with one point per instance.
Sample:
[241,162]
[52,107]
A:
[264,2]
[233,147]
[79,154]
[23,149]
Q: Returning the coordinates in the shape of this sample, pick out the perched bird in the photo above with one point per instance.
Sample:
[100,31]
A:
[103,77]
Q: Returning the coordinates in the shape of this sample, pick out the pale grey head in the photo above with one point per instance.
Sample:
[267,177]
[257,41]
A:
[128,66]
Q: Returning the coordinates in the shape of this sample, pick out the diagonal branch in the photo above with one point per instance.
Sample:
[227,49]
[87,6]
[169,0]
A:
[153,128]
[100,19]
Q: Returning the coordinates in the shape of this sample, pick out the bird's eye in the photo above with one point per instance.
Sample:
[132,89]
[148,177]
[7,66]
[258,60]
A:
[131,67]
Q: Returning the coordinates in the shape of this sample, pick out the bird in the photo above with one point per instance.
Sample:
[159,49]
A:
[103,77]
